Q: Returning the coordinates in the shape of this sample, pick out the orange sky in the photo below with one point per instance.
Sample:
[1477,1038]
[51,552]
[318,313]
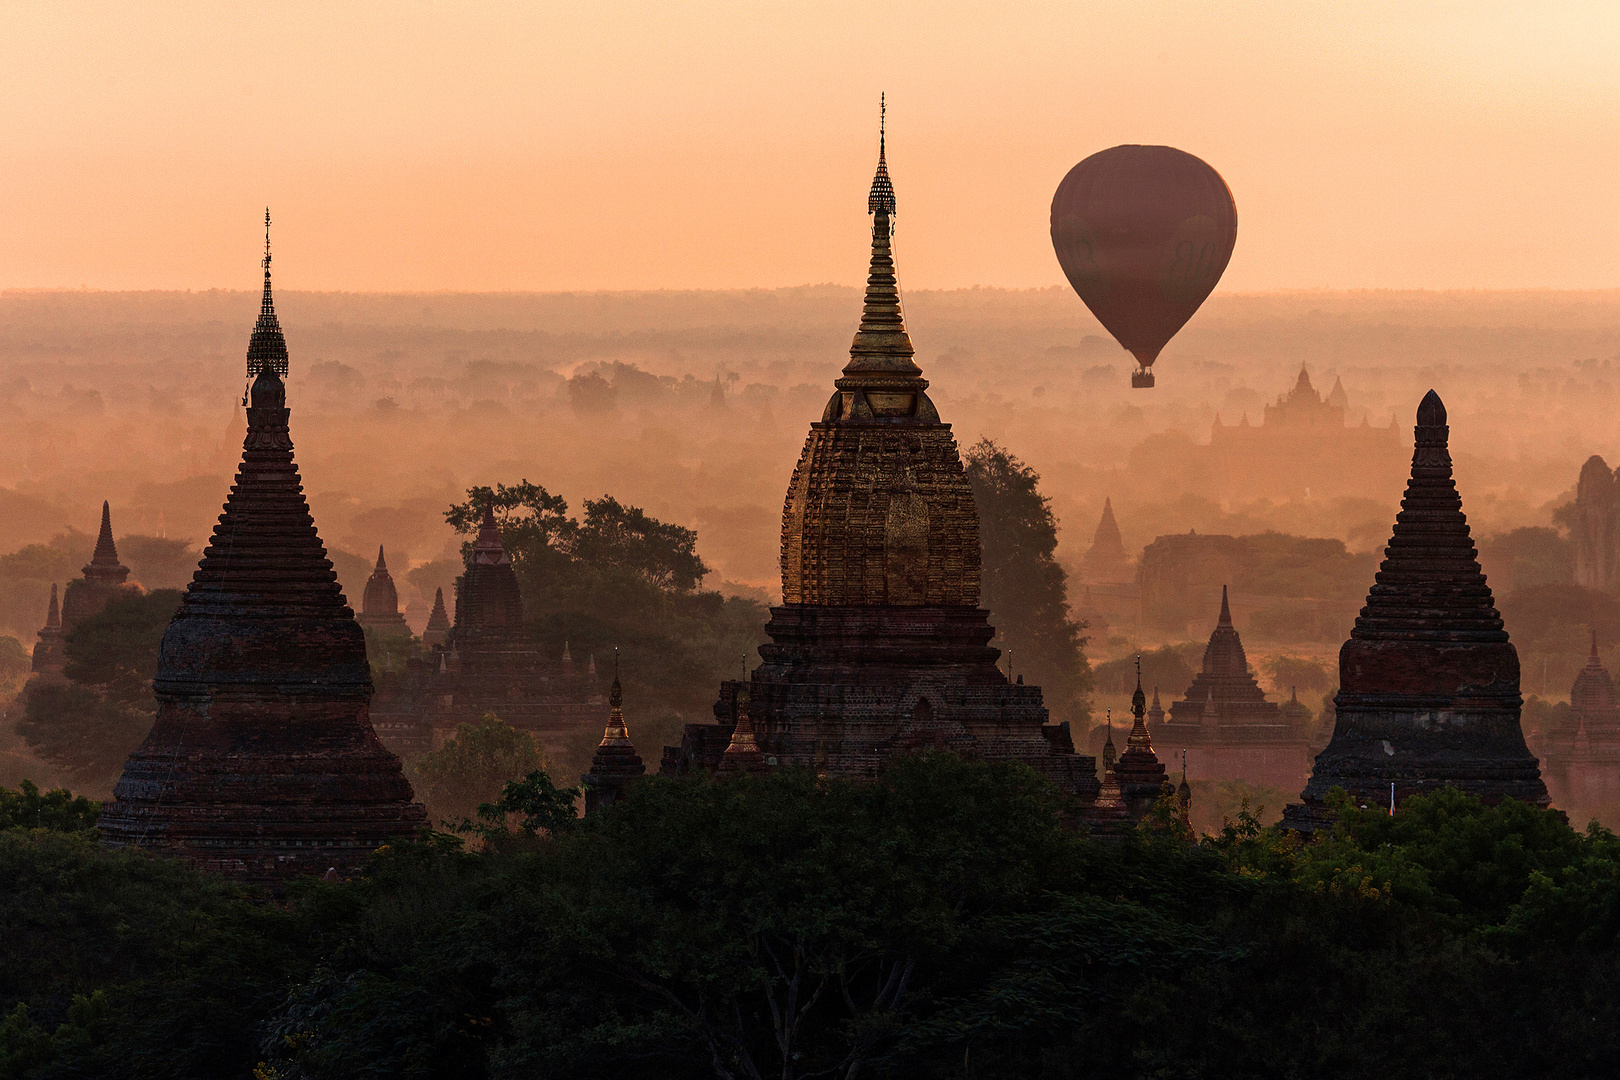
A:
[483,146]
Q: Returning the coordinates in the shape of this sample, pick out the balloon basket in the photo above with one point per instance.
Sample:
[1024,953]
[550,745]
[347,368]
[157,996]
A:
[1141,379]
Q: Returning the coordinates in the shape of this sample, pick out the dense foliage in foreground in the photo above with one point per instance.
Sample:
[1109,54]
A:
[939,923]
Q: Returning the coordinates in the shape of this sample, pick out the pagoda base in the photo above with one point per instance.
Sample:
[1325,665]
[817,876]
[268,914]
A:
[842,690]
[1480,751]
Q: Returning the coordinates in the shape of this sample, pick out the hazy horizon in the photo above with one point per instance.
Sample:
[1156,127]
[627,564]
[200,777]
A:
[687,145]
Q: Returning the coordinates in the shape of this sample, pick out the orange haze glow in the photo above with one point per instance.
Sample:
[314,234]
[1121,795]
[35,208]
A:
[536,146]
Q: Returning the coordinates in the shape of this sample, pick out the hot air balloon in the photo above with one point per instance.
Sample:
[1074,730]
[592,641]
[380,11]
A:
[1143,234]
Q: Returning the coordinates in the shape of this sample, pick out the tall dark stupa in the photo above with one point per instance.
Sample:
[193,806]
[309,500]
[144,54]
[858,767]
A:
[880,647]
[262,763]
[1428,682]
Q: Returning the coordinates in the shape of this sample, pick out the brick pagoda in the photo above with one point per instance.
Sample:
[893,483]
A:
[262,763]
[379,604]
[1428,682]
[879,646]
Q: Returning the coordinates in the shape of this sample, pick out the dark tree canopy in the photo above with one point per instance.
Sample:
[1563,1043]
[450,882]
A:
[940,921]
[1022,584]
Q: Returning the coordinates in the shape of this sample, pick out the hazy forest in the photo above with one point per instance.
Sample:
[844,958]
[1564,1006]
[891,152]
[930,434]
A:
[692,406]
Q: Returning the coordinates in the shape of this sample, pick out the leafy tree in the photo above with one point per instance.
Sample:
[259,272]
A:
[535,526]
[541,807]
[621,579]
[1169,667]
[623,539]
[15,660]
[59,810]
[1527,557]
[88,724]
[474,767]
[1022,584]
[82,731]
[1286,671]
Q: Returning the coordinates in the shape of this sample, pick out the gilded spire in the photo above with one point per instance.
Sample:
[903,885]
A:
[616,762]
[267,349]
[742,754]
[1226,610]
[53,614]
[1109,754]
[881,345]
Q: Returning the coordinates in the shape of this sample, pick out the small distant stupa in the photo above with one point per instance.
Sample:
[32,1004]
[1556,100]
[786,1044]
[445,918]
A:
[50,657]
[1106,560]
[1226,725]
[438,624]
[1580,758]
[379,607]
[105,578]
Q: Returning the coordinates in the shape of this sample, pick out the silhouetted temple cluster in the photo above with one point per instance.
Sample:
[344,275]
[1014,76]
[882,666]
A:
[484,662]
[265,758]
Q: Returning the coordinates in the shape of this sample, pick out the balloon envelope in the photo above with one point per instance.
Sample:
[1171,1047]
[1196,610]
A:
[1143,234]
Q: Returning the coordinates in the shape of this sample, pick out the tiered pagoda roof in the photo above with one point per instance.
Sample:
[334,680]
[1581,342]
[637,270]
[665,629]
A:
[879,647]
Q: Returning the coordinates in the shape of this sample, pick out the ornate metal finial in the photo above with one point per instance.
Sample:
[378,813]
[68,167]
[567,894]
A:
[267,349]
[881,199]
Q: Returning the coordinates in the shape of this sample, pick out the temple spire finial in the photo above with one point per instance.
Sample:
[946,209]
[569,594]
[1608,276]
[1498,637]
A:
[1226,610]
[267,349]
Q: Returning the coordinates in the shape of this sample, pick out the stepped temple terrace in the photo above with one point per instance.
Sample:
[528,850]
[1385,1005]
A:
[262,763]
